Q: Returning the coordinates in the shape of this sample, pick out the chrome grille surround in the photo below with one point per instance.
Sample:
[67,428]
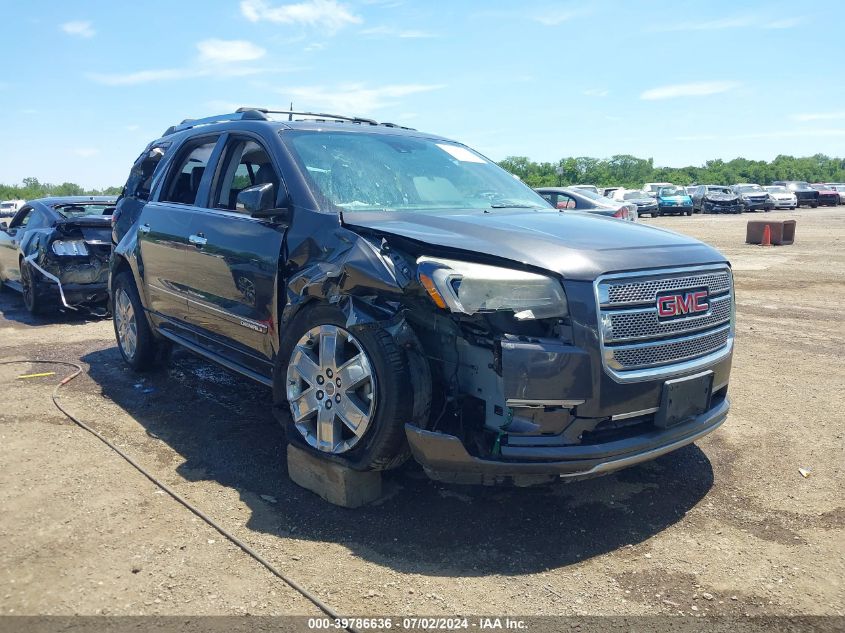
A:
[636,345]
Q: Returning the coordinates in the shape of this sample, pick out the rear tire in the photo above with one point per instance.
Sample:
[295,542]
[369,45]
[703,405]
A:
[134,336]
[330,410]
[29,286]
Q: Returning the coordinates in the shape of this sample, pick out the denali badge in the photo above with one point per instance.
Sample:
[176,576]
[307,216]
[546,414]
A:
[678,304]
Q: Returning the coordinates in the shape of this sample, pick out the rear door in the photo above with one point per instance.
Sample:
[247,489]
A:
[232,259]
[165,226]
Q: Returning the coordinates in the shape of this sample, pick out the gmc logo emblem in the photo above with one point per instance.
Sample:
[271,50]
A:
[678,304]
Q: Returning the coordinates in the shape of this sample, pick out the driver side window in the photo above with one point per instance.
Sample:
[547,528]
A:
[246,164]
[22,219]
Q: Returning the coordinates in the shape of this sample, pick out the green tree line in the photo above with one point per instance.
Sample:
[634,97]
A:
[32,188]
[628,171]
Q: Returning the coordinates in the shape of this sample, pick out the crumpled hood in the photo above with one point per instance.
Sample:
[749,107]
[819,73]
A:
[577,246]
[718,195]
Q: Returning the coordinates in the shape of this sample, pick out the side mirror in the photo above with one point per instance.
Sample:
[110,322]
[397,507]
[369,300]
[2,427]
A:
[260,202]
[4,227]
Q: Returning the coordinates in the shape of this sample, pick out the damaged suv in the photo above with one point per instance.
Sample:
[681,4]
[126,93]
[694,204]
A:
[403,295]
[55,252]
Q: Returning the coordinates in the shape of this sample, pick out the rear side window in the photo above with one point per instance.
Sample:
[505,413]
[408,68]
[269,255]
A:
[139,183]
[186,172]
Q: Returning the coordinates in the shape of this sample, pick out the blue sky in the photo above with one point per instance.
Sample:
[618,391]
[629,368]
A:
[87,84]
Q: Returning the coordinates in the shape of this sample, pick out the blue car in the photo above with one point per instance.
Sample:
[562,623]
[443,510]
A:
[674,200]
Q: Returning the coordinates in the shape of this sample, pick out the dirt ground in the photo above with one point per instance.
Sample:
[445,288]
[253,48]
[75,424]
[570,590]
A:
[728,526]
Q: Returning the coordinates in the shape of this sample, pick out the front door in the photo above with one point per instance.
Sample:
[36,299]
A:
[233,260]
[164,228]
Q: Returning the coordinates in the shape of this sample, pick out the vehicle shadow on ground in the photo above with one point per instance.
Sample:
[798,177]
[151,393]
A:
[13,309]
[221,425]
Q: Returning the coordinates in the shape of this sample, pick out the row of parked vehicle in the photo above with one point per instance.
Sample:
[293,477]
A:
[400,295]
[663,198]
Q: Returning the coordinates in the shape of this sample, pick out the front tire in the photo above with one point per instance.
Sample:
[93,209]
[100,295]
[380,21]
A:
[135,339]
[348,395]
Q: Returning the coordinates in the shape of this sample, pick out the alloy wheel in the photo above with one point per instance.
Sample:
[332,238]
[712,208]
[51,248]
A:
[26,287]
[126,325]
[330,389]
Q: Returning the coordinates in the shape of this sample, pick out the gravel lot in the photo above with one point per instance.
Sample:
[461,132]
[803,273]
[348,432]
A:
[728,526]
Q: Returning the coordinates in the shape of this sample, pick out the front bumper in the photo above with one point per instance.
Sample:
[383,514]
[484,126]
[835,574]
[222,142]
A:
[445,458]
[709,207]
[672,208]
[786,204]
[759,206]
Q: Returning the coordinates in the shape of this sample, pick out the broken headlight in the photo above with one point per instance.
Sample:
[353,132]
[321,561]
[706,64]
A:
[468,288]
[70,247]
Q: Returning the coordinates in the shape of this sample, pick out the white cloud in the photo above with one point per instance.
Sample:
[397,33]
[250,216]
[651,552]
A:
[351,98]
[217,58]
[387,31]
[735,22]
[596,92]
[86,152]
[79,28]
[171,74]
[820,116]
[328,14]
[227,51]
[774,134]
[694,89]
[555,18]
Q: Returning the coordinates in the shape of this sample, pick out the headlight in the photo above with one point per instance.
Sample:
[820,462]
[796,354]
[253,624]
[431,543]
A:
[71,247]
[469,288]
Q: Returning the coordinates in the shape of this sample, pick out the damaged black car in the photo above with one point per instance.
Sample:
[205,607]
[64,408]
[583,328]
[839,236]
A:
[403,295]
[55,252]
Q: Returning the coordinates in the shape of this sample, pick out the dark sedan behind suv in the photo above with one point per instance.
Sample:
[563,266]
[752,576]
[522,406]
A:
[55,252]
[402,294]
[804,193]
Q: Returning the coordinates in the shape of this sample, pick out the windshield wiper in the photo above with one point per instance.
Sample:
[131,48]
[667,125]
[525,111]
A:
[506,204]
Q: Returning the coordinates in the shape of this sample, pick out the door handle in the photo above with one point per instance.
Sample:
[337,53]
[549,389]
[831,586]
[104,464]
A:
[198,239]
[144,228]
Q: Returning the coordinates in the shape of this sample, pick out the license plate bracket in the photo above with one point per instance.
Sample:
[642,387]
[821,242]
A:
[683,399]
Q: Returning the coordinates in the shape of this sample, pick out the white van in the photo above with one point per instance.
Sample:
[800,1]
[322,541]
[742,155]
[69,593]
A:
[9,208]
[651,188]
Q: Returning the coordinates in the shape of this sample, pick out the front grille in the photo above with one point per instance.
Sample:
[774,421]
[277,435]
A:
[647,355]
[636,344]
[643,323]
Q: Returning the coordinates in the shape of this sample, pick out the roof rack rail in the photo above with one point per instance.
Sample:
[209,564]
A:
[318,115]
[243,114]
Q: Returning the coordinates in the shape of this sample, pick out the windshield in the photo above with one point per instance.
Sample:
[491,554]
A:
[6,205]
[749,188]
[78,210]
[673,191]
[385,172]
[719,190]
[633,195]
[777,189]
[798,185]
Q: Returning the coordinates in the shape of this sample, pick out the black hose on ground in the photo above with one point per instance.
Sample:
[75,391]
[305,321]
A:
[231,537]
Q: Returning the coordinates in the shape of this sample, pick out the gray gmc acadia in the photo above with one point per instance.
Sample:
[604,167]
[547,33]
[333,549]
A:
[403,295]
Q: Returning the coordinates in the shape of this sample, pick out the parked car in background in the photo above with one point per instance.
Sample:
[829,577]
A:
[804,193]
[838,187]
[673,200]
[8,208]
[828,196]
[646,205]
[55,252]
[715,199]
[753,197]
[591,188]
[651,188]
[782,197]
[402,295]
[575,199]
